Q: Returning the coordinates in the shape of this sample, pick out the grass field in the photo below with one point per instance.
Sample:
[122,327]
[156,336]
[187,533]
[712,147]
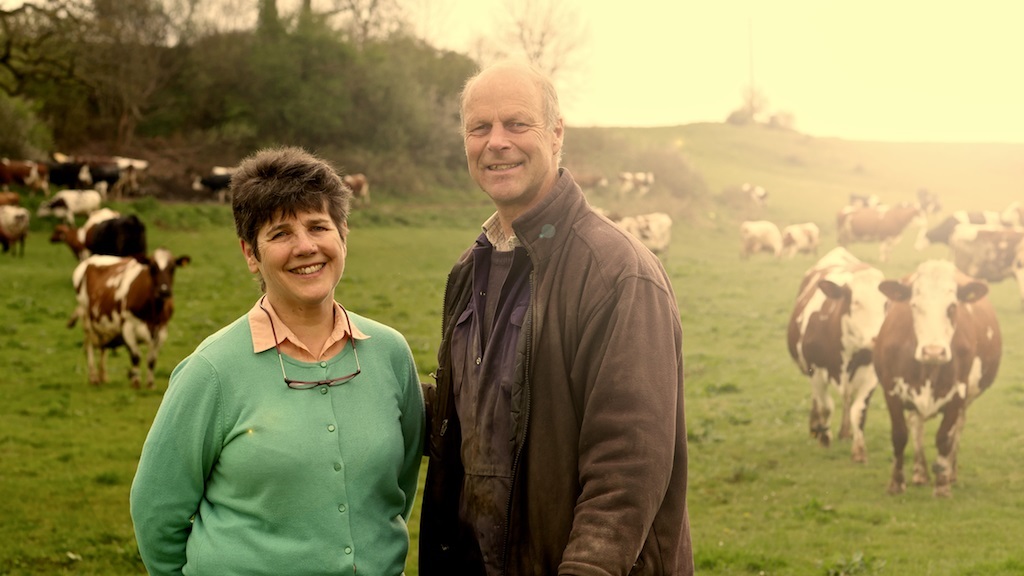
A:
[764,497]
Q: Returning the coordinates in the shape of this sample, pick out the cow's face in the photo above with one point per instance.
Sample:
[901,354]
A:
[161,269]
[863,309]
[934,297]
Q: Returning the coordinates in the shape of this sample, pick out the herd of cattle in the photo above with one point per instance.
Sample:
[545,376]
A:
[124,294]
[931,338]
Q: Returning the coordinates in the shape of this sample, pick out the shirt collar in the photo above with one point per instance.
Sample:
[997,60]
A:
[263,335]
[496,236]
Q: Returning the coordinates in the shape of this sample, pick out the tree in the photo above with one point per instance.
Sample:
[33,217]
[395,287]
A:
[548,33]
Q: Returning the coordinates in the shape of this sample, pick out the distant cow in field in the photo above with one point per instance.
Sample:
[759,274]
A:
[640,182]
[125,301]
[105,232]
[991,253]
[863,200]
[943,230]
[928,201]
[215,184]
[10,199]
[1013,215]
[938,349]
[758,195]
[33,175]
[591,181]
[360,187]
[654,229]
[759,236]
[14,221]
[883,223]
[67,203]
[831,335]
[800,238]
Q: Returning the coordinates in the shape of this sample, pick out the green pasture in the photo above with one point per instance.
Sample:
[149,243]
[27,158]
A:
[764,497]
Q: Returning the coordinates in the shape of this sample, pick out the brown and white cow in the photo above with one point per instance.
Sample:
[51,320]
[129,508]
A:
[360,187]
[800,238]
[937,351]
[883,223]
[105,232]
[943,230]
[830,337]
[759,236]
[34,175]
[990,253]
[125,302]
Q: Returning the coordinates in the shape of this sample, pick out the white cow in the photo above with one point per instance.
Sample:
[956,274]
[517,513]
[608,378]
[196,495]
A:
[802,238]
[654,229]
[66,203]
[14,221]
[760,236]
[639,181]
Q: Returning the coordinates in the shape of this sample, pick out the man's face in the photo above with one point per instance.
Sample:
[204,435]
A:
[512,155]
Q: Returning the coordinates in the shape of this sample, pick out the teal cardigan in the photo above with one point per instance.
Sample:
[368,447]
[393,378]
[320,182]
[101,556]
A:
[241,475]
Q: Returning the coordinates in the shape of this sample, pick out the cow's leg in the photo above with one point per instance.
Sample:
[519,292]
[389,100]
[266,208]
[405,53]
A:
[863,383]
[920,477]
[846,390]
[90,358]
[821,408]
[898,483]
[154,352]
[131,342]
[947,439]
[102,376]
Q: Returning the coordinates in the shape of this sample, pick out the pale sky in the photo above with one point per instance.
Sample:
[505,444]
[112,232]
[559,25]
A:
[893,70]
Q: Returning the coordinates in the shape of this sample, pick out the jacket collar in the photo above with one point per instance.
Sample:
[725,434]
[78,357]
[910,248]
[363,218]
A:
[547,226]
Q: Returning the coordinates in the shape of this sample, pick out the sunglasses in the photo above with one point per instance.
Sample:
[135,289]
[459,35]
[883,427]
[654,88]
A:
[307,384]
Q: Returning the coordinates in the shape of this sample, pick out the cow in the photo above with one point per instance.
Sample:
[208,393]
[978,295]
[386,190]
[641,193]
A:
[882,223]
[863,200]
[34,175]
[942,231]
[125,302]
[1012,215]
[928,201]
[654,229]
[67,203]
[800,238]
[360,187]
[113,235]
[14,221]
[990,253]
[639,181]
[758,195]
[830,336]
[67,173]
[213,183]
[759,236]
[591,181]
[10,199]
[938,349]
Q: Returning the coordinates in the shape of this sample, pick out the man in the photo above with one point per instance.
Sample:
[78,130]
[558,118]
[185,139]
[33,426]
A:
[557,440]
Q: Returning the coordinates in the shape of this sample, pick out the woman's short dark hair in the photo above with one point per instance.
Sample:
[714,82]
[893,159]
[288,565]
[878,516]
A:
[285,181]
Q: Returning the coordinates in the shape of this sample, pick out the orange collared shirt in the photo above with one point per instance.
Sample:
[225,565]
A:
[263,335]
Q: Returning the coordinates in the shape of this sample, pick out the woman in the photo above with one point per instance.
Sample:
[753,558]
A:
[289,442]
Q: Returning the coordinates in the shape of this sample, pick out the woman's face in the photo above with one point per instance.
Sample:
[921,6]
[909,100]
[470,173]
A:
[301,259]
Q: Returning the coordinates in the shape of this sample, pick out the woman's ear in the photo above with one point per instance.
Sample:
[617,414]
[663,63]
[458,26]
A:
[250,257]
